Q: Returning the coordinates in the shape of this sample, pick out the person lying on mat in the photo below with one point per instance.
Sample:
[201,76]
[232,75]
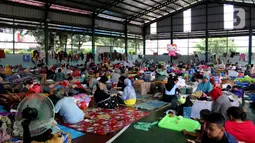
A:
[169,94]
[215,131]
[237,125]
[129,96]
[67,109]
[103,99]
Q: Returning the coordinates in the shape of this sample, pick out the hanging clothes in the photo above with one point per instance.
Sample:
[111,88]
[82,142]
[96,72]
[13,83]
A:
[242,57]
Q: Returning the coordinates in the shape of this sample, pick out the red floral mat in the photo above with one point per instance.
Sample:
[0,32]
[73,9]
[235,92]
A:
[104,121]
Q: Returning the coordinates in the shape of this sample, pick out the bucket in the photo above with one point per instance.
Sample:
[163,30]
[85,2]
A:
[183,91]
[189,90]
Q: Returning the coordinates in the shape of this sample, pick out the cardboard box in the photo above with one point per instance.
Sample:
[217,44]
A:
[142,87]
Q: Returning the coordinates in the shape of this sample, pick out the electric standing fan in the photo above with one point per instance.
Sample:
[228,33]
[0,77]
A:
[36,113]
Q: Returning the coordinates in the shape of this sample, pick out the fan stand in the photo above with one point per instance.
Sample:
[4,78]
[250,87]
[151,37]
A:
[28,114]
[26,132]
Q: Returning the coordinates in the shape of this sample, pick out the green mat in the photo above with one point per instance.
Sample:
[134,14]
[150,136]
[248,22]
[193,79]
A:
[154,135]
[178,123]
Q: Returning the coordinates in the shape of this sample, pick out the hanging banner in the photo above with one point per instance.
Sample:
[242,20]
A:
[172,49]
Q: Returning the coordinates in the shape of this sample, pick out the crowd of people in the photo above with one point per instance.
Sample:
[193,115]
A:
[111,86]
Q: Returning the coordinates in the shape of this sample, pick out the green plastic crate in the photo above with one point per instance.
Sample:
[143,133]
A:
[183,123]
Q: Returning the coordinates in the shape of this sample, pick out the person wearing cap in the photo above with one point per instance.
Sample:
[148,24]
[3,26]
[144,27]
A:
[205,86]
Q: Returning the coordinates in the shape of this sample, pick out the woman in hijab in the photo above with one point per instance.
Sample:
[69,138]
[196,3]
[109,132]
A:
[103,99]
[121,84]
[129,96]
[205,86]
[221,102]
[171,88]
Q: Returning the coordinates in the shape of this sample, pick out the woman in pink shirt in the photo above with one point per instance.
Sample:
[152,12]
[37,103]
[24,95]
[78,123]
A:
[237,125]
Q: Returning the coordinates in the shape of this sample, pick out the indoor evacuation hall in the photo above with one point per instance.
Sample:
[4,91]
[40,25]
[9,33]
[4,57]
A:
[127,71]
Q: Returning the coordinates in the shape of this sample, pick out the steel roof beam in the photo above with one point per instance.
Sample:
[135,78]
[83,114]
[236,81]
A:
[120,8]
[165,6]
[112,3]
[177,11]
[125,15]
[138,7]
[233,3]
[186,2]
[179,5]
[152,9]
[150,6]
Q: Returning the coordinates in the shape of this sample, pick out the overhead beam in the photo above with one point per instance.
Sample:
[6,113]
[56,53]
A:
[107,7]
[233,3]
[165,6]
[179,5]
[94,7]
[186,2]
[150,6]
[139,8]
[121,8]
[177,11]
[152,9]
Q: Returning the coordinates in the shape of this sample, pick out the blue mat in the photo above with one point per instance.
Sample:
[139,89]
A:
[75,134]
[2,109]
[150,105]
[138,96]
[187,112]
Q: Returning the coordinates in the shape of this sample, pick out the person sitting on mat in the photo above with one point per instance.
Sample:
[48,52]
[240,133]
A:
[94,80]
[238,126]
[215,131]
[59,76]
[121,85]
[115,76]
[169,94]
[7,70]
[205,86]
[67,108]
[129,96]
[103,99]
[203,118]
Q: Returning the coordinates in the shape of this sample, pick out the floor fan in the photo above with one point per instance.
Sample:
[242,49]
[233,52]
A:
[36,113]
